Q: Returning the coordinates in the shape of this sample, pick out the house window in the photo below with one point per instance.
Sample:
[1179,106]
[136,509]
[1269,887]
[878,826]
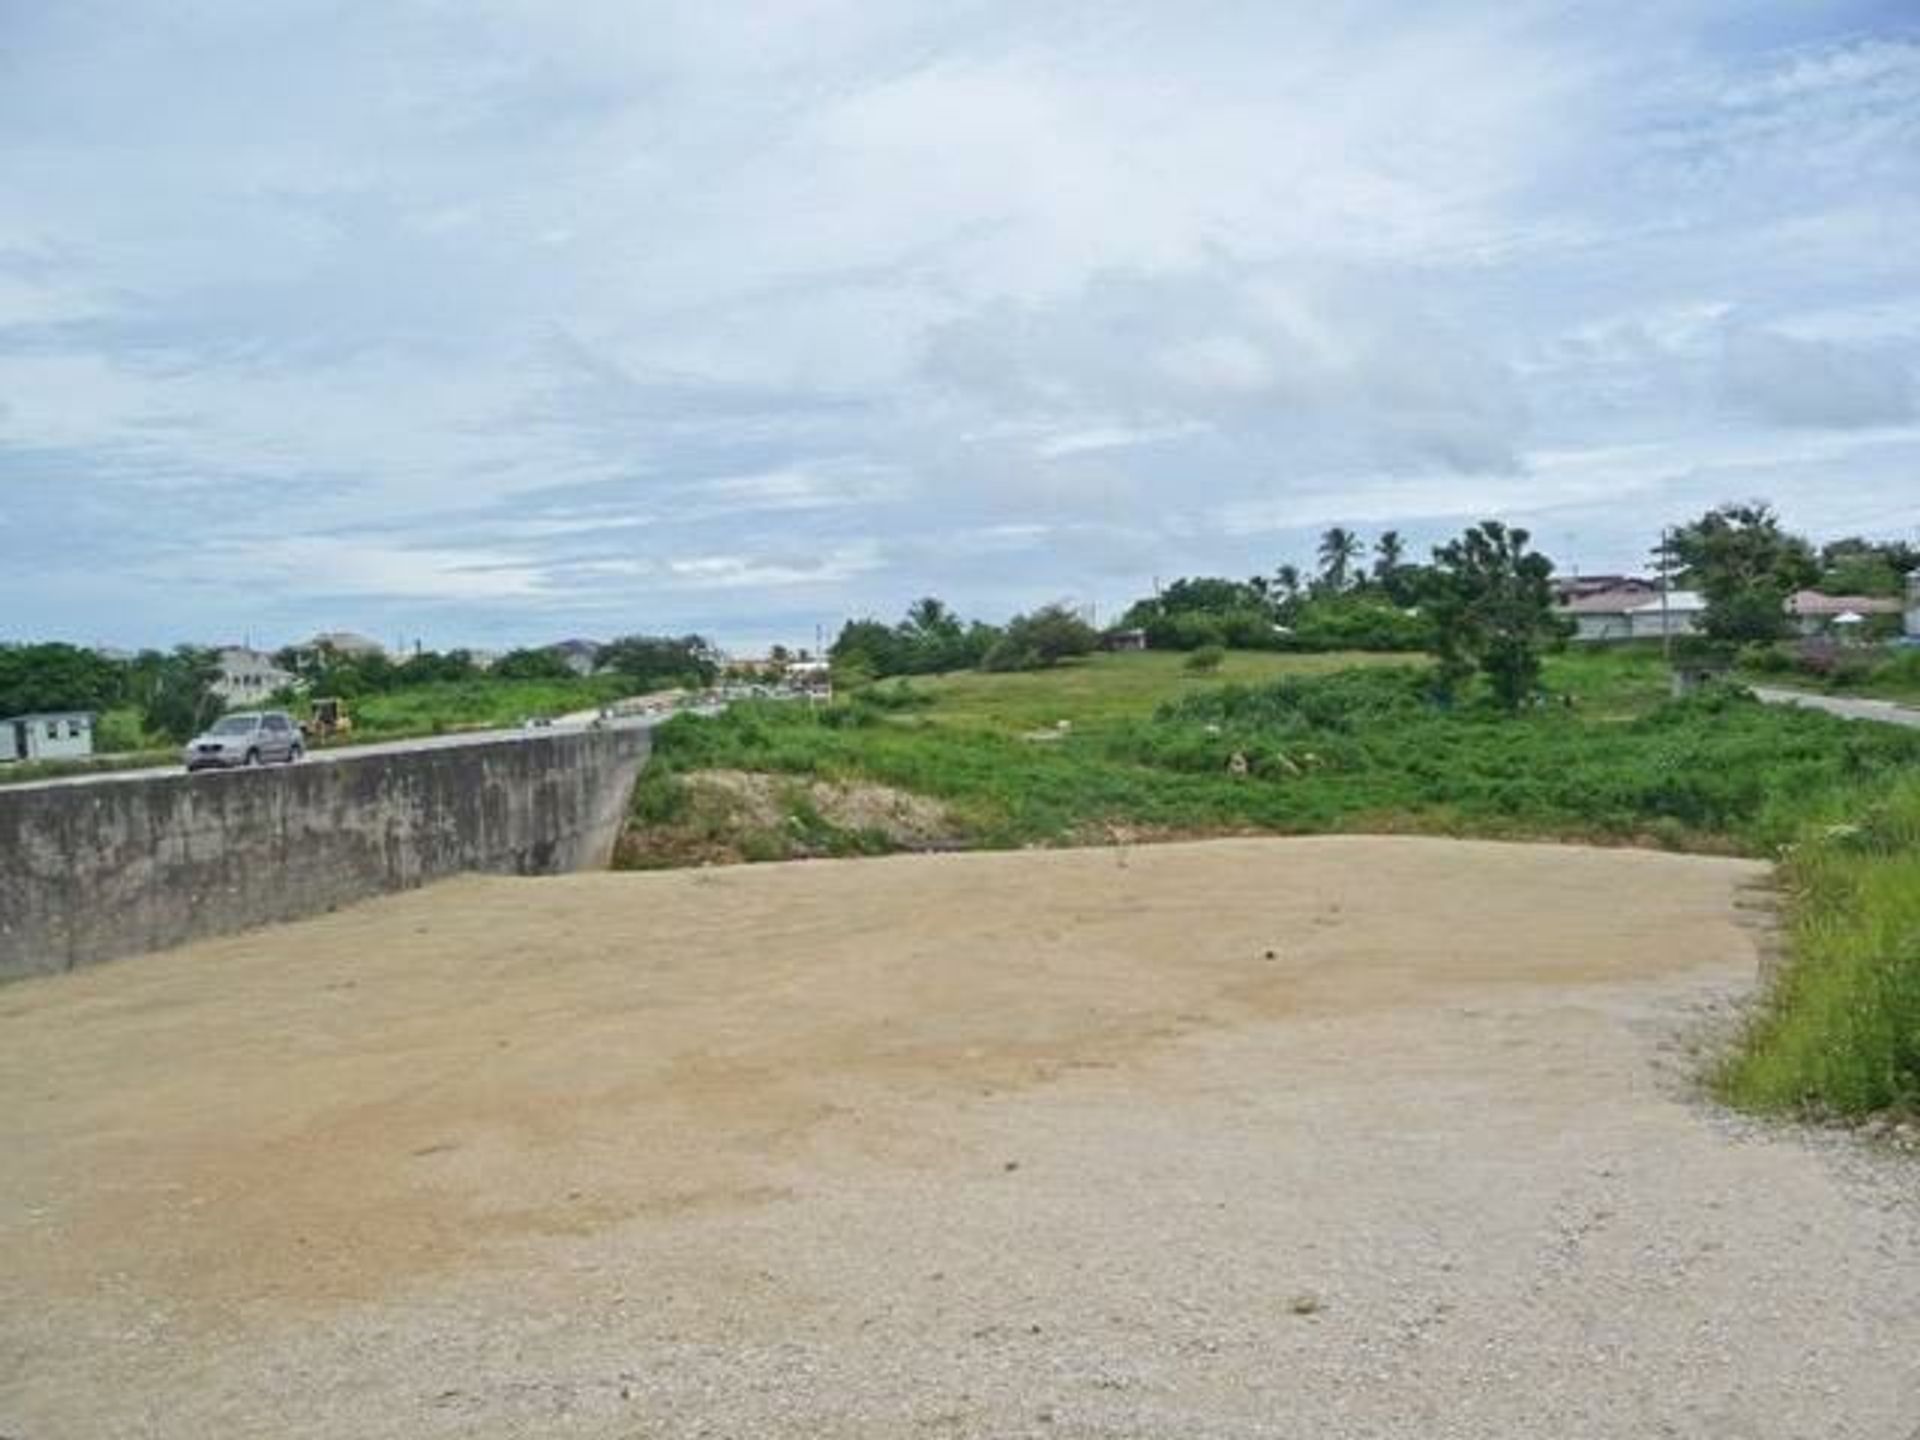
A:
[53,729]
[73,729]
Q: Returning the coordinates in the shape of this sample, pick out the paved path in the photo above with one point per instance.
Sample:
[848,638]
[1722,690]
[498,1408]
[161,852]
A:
[1847,707]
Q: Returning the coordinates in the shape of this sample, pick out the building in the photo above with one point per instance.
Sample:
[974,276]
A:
[1913,606]
[1569,588]
[248,677]
[1817,614]
[1679,612]
[1605,614]
[65,735]
[1126,640]
[582,656]
[1625,607]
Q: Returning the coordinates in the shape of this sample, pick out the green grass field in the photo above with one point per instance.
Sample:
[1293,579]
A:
[1135,745]
[476,705]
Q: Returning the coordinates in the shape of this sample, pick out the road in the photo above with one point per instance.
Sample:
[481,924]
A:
[1847,707]
[565,724]
[1240,1140]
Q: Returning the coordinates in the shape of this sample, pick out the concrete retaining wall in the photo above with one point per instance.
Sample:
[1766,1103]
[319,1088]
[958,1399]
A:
[118,867]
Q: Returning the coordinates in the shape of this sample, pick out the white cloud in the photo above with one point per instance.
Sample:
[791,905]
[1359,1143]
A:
[548,315]
[1819,383]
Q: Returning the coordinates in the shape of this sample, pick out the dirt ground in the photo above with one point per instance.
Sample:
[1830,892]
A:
[1328,1137]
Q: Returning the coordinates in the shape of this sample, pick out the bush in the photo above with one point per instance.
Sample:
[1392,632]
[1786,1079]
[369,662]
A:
[1205,660]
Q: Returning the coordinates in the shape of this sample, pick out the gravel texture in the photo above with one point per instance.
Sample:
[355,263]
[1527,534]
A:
[1315,1138]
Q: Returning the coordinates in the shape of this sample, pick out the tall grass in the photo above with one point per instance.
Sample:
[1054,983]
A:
[1841,1030]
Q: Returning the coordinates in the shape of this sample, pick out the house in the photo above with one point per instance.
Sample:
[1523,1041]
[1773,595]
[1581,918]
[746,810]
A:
[1625,607]
[1606,614]
[248,677]
[62,735]
[1817,614]
[1912,623]
[1679,612]
[582,656]
[1569,588]
[1126,640]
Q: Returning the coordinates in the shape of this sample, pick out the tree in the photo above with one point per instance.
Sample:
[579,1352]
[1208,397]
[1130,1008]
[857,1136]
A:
[1044,638]
[1287,582]
[56,677]
[1854,566]
[540,664]
[1745,565]
[933,639]
[1396,579]
[870,647]
[1339,548]
[651,662]
[1491,610]
[182,701]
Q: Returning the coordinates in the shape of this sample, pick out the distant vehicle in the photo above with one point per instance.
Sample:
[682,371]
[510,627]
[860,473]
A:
[254,737]
[327,721]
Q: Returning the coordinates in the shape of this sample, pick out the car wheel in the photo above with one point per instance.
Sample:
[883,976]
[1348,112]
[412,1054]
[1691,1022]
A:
[293,755]
[253,758]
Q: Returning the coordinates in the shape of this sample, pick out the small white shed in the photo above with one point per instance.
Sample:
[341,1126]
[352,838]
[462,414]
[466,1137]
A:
[62,735]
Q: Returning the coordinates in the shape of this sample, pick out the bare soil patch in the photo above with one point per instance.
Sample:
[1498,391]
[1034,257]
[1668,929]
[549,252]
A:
[1247,1138]
[730,816]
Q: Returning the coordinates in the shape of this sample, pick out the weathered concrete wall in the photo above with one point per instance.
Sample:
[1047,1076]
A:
[118,867]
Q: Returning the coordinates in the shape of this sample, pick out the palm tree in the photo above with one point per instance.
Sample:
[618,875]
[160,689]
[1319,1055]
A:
[1287,581]
[1339,548]
[1390,552]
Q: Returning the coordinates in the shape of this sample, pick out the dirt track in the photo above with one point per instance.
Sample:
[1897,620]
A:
[1249,1138]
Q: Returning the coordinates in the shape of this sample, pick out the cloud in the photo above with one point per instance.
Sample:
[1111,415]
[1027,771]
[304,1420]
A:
[1817,383]
[493,320]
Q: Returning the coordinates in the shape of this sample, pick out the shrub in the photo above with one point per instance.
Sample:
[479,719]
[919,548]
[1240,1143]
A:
[1205,660]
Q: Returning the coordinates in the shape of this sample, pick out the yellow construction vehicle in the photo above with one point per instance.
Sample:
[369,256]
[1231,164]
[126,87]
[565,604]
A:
[328,721]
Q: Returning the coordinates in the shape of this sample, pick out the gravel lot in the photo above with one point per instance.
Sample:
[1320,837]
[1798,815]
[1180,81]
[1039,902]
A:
[1316,1138]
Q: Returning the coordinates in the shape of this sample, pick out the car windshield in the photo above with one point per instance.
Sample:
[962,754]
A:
[233,725]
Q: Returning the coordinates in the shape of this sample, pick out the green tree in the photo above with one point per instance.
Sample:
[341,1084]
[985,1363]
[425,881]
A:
[1745,565]
[181,701]
[536,664]
[1339,548]
[1491,610]
[56,677]
[867,647]
[1044,638]
[652,662]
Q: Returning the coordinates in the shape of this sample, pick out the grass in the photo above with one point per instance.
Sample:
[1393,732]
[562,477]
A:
[1325,747]
[1841,1030]
[1302,744]
[1107,687]
[476,704]
[1878,673]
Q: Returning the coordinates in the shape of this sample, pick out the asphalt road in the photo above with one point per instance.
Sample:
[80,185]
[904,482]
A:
[1847,707]
[566,725]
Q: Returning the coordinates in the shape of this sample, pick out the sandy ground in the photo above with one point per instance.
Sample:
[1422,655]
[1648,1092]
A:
[1341,1137]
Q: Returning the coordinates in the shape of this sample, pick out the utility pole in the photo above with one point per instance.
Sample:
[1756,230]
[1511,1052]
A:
[1666,564]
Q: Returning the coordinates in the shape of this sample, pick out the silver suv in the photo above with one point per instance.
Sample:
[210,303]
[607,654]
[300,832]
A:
[256,737]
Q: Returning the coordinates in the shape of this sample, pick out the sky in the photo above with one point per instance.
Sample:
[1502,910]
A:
[489,322]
